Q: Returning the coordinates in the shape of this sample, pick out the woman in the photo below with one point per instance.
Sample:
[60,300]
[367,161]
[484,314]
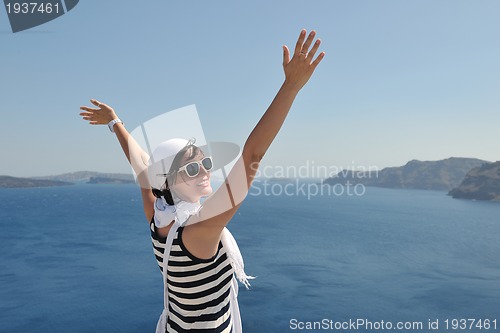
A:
[200,290]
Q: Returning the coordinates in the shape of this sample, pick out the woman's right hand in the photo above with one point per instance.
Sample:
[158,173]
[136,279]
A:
[101,115]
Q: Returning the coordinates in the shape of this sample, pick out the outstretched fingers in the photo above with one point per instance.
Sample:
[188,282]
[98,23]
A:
[90,112]
[314,49]
[302,48]
[305,46]
[87,115]
[300,42]
[95,102]
[318,59]
[88,109]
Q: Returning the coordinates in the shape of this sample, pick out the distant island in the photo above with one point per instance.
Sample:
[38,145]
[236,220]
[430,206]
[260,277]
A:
[480,183]
[16,182]
[108,180]
[86,176]
[442,175]
[89,177]
[280,180]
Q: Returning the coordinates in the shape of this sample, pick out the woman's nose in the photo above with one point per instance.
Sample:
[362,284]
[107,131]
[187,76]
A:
[203,171]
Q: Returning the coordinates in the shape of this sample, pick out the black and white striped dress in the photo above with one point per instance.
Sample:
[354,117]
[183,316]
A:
[199,289]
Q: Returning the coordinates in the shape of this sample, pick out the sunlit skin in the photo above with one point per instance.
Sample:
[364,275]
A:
[191,189]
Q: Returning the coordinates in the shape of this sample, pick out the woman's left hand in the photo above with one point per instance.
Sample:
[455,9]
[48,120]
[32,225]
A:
[299,69]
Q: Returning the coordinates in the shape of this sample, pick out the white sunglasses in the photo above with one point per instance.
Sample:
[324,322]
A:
[192,169]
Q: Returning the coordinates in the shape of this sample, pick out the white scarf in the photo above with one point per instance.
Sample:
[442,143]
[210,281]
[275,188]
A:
[180,212]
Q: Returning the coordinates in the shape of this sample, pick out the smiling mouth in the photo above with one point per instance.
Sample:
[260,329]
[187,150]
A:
[204,183]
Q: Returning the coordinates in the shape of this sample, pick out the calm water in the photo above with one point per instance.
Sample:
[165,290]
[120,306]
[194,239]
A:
[79,259]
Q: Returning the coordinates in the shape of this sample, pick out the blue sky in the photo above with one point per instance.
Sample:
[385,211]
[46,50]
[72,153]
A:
[401,80]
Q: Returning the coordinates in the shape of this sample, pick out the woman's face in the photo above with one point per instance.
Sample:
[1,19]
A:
[191,189]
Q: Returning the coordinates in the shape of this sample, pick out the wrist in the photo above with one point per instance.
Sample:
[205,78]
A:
[113,122]
[113,116]
[292,87]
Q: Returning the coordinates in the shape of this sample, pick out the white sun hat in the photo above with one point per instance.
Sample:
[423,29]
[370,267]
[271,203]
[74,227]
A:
[162,158]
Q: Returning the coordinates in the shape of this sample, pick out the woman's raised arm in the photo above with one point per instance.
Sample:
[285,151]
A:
[205,228]
[298,70]
[136,156]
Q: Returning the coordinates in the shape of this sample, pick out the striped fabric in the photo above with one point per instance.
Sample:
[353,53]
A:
[199,289]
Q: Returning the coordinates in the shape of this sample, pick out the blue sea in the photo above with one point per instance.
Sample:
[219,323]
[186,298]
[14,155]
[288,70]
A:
[79,259]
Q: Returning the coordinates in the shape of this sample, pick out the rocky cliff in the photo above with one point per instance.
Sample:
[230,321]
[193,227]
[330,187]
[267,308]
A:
[481,183]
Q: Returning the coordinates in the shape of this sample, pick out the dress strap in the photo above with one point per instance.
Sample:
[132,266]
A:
[162,322]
